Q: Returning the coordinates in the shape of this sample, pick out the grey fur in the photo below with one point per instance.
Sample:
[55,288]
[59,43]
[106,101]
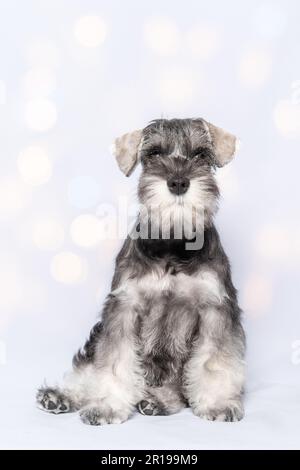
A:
[170,332]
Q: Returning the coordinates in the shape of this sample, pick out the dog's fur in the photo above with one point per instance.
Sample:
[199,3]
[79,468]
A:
[170,333]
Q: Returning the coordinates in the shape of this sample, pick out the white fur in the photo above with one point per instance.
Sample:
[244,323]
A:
[205,285]
[113,149]
[237,147]
[214,376]
[184,212]
[114,383]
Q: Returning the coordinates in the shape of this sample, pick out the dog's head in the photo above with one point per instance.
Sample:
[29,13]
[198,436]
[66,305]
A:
[178,159]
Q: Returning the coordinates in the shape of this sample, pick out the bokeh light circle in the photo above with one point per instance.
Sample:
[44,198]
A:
[257,295]
[255,68]
[90,31]
[68,268]
[287,118]
[13,196]
[162,36]
[176,87]
[279,244]
[34,165]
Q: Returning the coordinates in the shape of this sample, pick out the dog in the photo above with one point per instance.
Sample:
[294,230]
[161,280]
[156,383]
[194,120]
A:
[170,333]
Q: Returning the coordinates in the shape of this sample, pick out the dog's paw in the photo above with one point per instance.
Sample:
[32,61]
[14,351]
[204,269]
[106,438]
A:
[97,416]
[228,414]
[53,401]
[151,407]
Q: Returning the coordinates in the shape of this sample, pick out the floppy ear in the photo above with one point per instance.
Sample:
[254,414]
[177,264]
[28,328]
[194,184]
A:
[225,144]
[126,149]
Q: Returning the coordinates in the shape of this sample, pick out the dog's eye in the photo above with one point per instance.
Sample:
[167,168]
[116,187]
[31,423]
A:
[154,152]
[201,153]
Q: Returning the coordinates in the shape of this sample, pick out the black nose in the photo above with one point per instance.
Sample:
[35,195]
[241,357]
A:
[178,185]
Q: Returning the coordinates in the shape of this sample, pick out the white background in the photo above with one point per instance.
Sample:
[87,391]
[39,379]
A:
[68,86]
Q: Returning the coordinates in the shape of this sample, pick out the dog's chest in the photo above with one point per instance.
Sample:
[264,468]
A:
[160,284]
[168,307]
[168,323]
[202,286]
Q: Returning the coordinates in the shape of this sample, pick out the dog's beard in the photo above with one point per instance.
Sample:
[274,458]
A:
[165,215]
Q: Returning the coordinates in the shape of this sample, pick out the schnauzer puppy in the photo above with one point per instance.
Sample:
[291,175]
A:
[170,334]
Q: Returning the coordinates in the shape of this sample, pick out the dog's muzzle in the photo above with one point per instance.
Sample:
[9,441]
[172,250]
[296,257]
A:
[178,185]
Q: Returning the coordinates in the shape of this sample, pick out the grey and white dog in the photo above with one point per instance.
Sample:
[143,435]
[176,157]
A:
[170,334]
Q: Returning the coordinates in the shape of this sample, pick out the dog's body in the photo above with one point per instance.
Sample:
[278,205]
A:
[170,333]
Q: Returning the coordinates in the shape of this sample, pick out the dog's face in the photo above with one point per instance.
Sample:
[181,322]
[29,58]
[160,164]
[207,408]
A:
[178,159]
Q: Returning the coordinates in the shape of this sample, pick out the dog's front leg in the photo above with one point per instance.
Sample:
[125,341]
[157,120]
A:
[106,381]
[214,375]
[118,379]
